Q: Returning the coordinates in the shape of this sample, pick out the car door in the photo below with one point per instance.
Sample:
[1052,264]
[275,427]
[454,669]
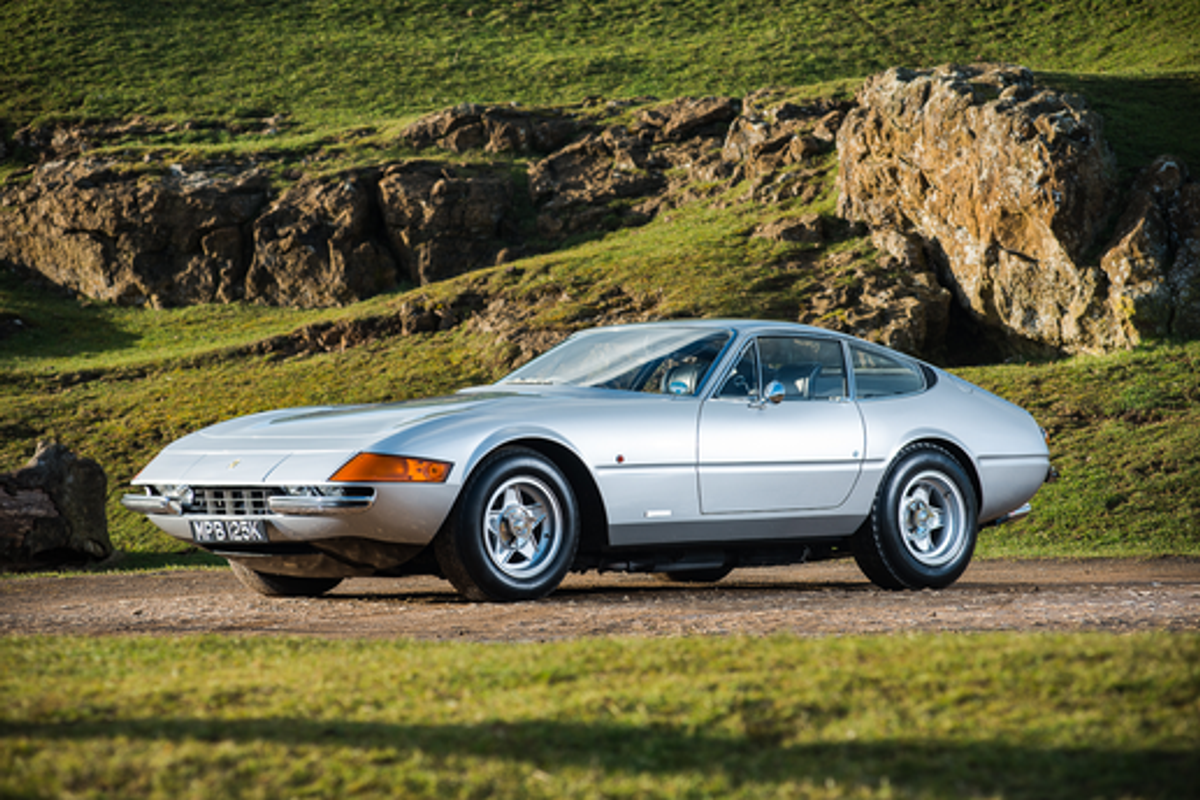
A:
[803,453]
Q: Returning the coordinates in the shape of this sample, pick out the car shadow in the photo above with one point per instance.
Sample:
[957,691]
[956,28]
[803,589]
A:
[610,592]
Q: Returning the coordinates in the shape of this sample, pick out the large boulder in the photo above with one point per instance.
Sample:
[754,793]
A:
[113,234]
[1007,184]
[52,511]
[317,246]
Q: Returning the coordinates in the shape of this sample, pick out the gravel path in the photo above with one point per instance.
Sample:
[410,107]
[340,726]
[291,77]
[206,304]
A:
[814,599]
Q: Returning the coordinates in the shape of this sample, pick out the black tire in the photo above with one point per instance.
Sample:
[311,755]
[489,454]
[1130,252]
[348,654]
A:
[923,525]
[704,575]
[514,531]
[282,585]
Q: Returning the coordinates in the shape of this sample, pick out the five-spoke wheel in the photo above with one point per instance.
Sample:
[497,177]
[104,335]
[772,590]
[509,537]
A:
[932,513]
[523,527]
[514,532]
[922,529]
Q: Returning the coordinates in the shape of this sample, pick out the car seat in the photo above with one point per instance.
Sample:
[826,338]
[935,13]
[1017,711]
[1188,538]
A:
[797,380]
[682,379]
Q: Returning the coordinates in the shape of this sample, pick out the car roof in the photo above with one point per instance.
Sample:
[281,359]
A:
[739,325]
[751,327]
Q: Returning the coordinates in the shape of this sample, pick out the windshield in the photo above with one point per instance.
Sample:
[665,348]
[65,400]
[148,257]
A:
[657,360]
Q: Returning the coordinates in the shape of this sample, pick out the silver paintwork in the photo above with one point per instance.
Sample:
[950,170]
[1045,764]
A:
[668,469]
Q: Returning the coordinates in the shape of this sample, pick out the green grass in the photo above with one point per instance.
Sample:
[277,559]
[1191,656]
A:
[997,715]
[336,60]
[1124,432]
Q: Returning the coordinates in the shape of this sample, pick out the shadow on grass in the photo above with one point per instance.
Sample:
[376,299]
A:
[762,754]
[1144,117]
[53,325]
[140,562]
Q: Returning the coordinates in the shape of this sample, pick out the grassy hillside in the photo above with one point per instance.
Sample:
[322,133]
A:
[118,383]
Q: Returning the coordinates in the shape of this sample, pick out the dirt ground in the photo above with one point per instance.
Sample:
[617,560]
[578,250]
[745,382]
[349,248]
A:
[814,599]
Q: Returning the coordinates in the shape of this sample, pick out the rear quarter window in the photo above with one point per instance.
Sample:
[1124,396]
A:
[878,374]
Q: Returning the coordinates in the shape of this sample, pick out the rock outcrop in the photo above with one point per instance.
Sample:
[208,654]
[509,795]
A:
[52,511]
[443,223]
[1007,187]
[138,234]
[117,235]
[216,235]
[574,188]
[980,188]
[317,245]
[495,129]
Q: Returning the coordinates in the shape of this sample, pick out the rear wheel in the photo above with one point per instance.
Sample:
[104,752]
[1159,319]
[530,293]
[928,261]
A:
[282,585]
[923,526]
[515,530]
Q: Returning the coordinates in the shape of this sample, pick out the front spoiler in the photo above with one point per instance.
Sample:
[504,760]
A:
[328,558]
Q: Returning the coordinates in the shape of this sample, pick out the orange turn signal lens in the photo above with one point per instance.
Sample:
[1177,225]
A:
[375,468]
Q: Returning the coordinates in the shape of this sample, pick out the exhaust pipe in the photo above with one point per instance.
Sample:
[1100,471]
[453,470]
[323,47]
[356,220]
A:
[1012,516]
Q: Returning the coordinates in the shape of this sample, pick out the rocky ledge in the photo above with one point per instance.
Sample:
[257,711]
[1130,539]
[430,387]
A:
[980,189]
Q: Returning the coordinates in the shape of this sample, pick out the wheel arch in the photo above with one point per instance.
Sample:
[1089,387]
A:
[956,452]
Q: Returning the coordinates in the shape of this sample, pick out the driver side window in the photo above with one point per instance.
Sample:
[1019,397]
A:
[810,368]
[743,381]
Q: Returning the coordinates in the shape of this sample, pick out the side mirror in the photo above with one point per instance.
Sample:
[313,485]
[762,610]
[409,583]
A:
[774,396]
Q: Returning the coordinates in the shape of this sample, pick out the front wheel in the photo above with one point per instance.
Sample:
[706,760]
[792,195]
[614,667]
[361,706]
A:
[923,525]
[514,532]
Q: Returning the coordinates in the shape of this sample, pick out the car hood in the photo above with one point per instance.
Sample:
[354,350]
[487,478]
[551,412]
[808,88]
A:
[295,445]
[338,426]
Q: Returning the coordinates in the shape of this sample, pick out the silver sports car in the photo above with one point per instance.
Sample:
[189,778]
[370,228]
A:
[683,448]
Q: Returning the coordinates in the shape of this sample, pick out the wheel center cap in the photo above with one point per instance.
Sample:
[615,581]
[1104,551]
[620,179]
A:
[920,514]
[516,525]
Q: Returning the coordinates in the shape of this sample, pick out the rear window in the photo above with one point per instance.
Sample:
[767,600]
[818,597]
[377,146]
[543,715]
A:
[878,374]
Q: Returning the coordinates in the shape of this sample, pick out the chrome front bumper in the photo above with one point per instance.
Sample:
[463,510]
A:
[320,506]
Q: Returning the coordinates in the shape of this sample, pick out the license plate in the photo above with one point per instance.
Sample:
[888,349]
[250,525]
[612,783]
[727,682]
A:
[218,531]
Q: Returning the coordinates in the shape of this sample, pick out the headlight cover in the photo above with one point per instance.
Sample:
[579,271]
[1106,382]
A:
[377,468]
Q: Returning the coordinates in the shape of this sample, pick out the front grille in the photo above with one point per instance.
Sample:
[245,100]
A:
[230,502]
